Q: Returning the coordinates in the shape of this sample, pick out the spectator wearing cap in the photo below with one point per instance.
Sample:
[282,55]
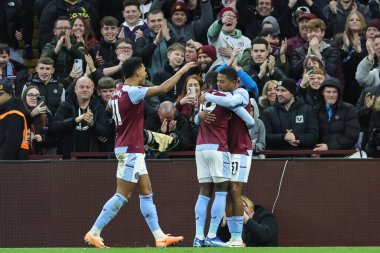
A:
[316,46]
[183,27]
[351,49]
[259,64]
[301,38]
[12,69]
[337,11]
[290,123]
[206,59]
[224,36]
[338,121]
[13,126]
[373,28]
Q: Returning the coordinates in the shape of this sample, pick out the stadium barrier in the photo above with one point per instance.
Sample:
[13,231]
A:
[321,202]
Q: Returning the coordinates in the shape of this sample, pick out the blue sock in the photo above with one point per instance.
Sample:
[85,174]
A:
[110,209]
[235,226]
[148,210]
[200,216]
[217,212]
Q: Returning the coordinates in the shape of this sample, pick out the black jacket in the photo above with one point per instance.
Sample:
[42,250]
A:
[51,91]
[164,75]
[342,130]
[260,231]
[106,50]
[301,118]
[11,20]
[153,123]
[64,124]
[11,131]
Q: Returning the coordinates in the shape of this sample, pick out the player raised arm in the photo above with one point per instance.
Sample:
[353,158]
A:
[170,83]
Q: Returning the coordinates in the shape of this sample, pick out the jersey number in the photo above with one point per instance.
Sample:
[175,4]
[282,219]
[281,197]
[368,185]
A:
[235,167]
[207,106]
[115,112]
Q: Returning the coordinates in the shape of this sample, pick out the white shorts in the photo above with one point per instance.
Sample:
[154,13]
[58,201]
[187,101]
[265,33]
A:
[213,166]
[130,166]
[241,166]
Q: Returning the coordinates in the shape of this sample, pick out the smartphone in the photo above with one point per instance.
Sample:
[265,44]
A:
[309,68]
[78,64]
[192,92]
[40,99]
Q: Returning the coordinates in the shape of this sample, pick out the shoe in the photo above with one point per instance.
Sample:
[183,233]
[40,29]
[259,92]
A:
[215,242]
[95,241]
[198,242]
[236,244]
[168,241]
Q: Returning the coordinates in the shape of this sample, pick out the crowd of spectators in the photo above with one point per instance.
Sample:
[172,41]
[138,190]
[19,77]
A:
[313,69]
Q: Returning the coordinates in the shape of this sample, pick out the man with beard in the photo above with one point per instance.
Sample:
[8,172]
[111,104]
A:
[206,59]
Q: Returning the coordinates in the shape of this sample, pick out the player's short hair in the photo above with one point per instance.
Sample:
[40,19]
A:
[131,2]
[109,21]
[176,47]
[130,66]
[106,83]
[46,61]
[4,48]
[260,40]
[315,24]
[230,73]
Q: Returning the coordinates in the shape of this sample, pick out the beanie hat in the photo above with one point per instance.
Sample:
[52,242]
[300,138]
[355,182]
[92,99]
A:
[228,9]
[275,26]
[308,16]
[288,84]
[209,50]
[179,6]
[7,85]
[374,23]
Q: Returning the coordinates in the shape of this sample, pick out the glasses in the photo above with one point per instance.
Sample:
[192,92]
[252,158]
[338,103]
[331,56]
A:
[63,28]
[30,95]
[125,48]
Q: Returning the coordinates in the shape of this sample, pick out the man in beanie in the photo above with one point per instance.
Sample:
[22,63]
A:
[373,28]
[206,59]
[338,122]
[13,127]
[224,36]
[290,123]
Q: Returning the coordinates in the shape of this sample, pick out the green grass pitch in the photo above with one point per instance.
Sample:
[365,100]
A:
[197,250]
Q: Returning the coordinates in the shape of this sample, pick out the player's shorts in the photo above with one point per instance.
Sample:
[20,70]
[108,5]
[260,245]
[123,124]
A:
[213,166]
[130,166]
[241,166]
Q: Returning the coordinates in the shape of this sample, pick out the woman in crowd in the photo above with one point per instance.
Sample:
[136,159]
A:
[352,51]
[268,96]
[84,34]
[38,118]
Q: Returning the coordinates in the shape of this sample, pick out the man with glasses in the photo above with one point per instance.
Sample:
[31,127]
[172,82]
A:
[13,128]
[63,48]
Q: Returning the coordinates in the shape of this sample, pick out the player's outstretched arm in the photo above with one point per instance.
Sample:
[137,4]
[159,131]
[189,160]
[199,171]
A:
[170,83]
[228,101]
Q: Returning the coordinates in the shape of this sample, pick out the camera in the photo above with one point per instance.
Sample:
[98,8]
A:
[151,143]
[40,99]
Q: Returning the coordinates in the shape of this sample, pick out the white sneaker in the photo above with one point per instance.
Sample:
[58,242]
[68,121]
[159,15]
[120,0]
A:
[236,243]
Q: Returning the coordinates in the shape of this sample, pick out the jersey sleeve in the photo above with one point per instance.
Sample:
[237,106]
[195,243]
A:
[137,94]
[229,101]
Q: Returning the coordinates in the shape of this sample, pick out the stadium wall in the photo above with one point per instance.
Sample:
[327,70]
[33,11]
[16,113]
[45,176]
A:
[54,203]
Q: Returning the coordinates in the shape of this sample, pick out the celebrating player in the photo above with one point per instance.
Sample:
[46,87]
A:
[127,106]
